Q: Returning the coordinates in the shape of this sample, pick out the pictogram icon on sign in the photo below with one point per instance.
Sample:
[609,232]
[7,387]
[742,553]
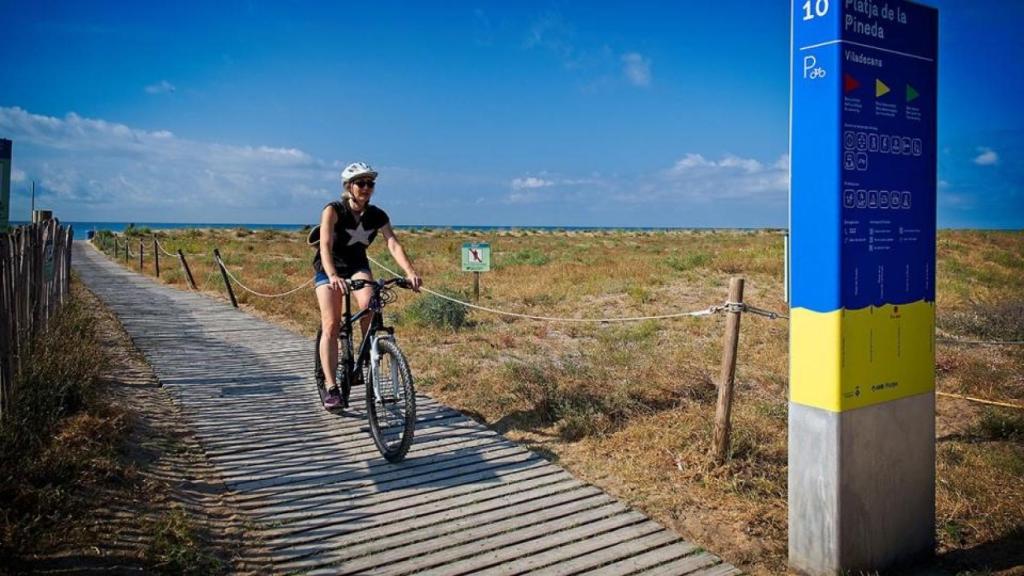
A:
[911,93]
[850,83]
[880,88]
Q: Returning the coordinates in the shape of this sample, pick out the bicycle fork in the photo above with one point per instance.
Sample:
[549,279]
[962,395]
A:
[378,392]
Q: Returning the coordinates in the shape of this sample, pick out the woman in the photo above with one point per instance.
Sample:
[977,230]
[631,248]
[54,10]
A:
[347,228]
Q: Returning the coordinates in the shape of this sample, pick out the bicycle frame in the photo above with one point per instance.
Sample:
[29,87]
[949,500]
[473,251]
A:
[368,347]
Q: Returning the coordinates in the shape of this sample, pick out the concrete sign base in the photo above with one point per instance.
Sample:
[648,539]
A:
[861,485]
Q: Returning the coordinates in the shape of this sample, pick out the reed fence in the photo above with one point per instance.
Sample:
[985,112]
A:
[35,271]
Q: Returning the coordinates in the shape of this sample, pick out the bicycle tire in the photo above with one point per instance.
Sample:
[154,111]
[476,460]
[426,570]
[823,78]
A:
[393,421]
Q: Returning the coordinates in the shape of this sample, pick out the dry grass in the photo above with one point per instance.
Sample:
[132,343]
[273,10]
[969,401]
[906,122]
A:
[630,407]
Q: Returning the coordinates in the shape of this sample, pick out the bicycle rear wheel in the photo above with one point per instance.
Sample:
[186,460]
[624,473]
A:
[392,412]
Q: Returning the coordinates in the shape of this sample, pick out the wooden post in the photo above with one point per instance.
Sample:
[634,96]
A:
[141,261]
[728,373]
[156,258]
[126,255]
[224,273]
[188,271]
[476,286]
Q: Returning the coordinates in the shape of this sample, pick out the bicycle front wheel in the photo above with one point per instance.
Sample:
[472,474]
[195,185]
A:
[391,402]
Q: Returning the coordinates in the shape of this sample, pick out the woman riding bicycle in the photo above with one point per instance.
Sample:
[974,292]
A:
[347,228]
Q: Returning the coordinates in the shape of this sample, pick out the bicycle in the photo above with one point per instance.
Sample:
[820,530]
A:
[381,366]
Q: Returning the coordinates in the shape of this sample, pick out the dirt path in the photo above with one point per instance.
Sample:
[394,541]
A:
[171,513]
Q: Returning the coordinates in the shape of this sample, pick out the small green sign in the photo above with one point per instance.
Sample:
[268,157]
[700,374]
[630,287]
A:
[476,257]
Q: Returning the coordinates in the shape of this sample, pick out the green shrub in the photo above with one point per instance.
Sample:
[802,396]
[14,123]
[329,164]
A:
[1000,425]
[134,231]
[431,310]
[530,257]
[688,261]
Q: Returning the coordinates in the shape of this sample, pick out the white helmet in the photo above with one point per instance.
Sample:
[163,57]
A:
[355,170]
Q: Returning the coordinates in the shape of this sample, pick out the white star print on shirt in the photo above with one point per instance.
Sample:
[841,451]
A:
[358,234]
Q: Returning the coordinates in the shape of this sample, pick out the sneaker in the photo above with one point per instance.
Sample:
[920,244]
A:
[333,399]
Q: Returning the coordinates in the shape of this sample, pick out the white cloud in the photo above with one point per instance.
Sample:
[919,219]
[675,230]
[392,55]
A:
[530,182]
[696,178]
[637,69]
[987,157]
[87,164]
[17,175]
[161,87]
[691,180]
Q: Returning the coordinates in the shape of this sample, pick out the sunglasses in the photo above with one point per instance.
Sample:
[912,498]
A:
[364,183]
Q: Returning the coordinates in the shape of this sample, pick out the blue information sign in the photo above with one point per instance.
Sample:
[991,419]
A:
[863,198]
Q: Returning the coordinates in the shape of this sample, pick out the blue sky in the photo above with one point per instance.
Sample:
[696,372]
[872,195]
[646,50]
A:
[527,113]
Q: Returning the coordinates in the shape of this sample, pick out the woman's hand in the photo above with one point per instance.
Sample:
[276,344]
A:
[415,281]
[338,283]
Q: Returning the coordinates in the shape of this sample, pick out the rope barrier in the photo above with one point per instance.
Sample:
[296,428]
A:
[981,400]
[188,254]
[727,307]
[744,307]
[261,294]
[161,247]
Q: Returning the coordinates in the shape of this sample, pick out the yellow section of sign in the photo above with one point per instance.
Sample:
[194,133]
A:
[849,359]
[880,88]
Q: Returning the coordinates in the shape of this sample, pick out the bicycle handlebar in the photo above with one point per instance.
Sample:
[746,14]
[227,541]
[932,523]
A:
[360,284]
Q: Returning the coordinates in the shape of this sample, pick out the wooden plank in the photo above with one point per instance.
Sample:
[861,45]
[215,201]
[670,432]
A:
[480,480]
[589,545]
[616,553]
[454,546]
[539,540]
[657,556]
[313,553]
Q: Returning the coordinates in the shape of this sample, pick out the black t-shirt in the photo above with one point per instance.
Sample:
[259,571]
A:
[351,238]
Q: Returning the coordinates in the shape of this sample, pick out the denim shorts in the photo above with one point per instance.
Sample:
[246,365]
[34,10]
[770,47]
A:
[321,277]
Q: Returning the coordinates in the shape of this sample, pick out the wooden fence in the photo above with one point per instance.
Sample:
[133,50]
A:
[35,268]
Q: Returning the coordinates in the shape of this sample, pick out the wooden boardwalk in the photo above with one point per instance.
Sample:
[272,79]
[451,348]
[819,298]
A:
[465,500]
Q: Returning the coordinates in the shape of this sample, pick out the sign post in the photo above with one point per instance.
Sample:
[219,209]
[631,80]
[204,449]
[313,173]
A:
[862,285]
[476,258]
[5,184]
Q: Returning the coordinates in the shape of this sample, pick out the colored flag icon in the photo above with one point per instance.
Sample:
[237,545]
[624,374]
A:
[880,88]
[850,83]
[911,93]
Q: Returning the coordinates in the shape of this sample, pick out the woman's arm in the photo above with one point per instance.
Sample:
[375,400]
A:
[327,220]
[398,253]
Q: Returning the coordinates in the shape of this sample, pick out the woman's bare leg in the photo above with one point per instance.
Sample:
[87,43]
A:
[363,299]
[330,323]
